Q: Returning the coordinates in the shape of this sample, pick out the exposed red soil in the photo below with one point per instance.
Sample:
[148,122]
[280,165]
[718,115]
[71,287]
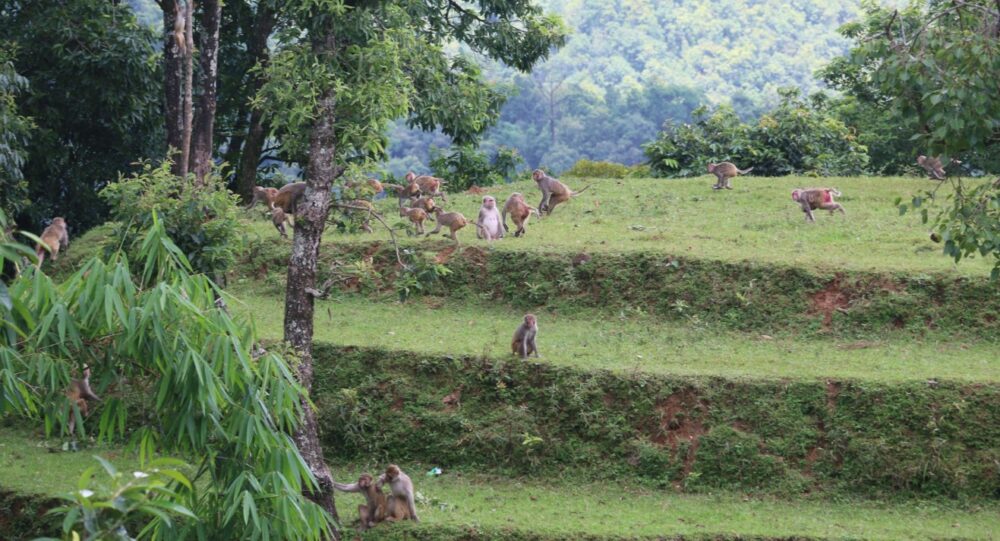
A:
[679,421]
[829,300]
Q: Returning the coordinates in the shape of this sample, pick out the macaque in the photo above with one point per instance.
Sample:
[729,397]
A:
[428,185]
[553,191]
[179,25]
[289,195]
[452,220]
[278,218]
[523,343]
[376,504]
[262,194]
[372,184]
[425,203]
[79,393]
[933,166]
[55,237]
[724,173]
[416,216]
[401,489]
[489,226]
[817,198]
[519,211]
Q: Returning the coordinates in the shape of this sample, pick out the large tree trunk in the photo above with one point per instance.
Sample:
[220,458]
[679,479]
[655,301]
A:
[310,221]
[188,87]
[253,146]
[204,125]
[173,75]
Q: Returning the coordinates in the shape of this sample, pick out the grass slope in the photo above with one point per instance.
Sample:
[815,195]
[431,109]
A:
[558,509]
[756,221]
[626,343]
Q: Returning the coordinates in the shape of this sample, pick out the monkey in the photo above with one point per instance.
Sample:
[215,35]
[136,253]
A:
[423,202]
[178,32]
[55,237]
[817,198]
[519,211]
[724,172]
[452,220]
[417,216]
[428,185]
[933,166]
[553,191]
[262,194]
[278,218]
[401,488]
[79,394]
[489,225]
[523,343]
[289,195]
[376,505]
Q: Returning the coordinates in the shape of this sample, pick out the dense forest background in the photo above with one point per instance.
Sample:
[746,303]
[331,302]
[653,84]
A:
[631,65]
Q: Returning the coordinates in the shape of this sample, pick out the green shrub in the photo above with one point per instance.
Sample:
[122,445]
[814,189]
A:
[592,169]
[200,218]
[798,137]
[466,166]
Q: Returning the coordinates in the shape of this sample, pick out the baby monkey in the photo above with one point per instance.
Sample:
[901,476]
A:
[523,343]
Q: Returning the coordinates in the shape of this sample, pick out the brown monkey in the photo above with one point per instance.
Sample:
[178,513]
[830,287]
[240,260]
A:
[523,343]
[417,216]
[423,202]
[278,218]
[519,211]
[452,220]
[401,489]
[428,185]
[489,226]
[289,195]
[178,32]
[55,237]
[724,173]
[79,394]
[373,184]
[262,194]
[373,511]
[817,198]
[553,191]
[933,166]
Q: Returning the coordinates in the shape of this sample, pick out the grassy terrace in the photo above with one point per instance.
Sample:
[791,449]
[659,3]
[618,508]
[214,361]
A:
[603,341]
[558,508]
[757,221]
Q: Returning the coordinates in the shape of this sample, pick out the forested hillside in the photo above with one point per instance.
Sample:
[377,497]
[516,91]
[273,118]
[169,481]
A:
[631,64]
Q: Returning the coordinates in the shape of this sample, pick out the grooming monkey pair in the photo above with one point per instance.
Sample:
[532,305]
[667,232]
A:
[399,505]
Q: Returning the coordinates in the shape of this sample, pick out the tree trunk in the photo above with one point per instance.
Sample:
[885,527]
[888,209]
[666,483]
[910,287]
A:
[188,84]
[246,172]
[310,220]
[173,75]
[204,125]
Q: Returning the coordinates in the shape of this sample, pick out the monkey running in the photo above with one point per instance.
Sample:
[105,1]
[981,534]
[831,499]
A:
[724,173]
[811,199]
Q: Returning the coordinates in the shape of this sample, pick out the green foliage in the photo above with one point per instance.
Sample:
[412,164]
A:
[467,166]
[15,132]
[202,217]
[798,136]
[590,169]
[104,510]
[177,376]
[95,95]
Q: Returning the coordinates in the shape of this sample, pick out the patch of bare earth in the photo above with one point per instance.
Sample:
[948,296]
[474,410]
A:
[680,421]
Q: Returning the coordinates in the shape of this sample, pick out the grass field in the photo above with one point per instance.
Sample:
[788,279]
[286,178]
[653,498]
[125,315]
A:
[602,341]
[555,507]
[756,221]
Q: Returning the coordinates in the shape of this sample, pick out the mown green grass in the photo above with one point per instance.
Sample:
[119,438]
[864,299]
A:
[757,220]
[555,507]
[590,340]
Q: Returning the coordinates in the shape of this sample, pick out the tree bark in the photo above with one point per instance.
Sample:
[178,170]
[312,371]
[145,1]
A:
[310,220]
[185,157]
[253,146]
[173,75]
[204,124]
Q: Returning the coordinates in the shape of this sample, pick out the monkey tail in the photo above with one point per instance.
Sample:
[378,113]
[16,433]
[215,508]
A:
[745,171]
[40,254]
[574,194]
